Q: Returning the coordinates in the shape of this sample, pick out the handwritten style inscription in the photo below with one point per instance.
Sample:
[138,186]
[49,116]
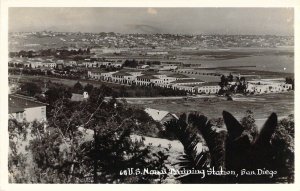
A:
[203,173]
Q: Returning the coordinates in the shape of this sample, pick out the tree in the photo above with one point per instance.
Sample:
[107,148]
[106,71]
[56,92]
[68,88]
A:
[248,122]
[224,82]
[55,93]
[230,78]
[290,81]
[131,63]
[30,89]
[77,88]
[16,159]
[89,142]
[203,147]
[234,149]
[88,88]
[284,140]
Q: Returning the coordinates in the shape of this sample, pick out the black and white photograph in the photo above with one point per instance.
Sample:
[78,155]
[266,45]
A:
[151,95]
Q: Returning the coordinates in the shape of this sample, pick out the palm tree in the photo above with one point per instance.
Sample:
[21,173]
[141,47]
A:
[231,149]
[202,147]
[248,150]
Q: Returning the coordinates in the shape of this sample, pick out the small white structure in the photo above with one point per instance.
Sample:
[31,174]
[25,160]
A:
[48,64]
[144,66]
[160,115]
[35,63]
[167,67]
[85,95]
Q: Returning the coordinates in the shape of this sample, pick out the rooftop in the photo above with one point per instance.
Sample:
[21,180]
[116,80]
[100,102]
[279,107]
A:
[147,77]
[35,60]
[18,103]
[122,74]
[48,61]
[150,73]
[178,76]
[157,115]
[209,84]
[187,81]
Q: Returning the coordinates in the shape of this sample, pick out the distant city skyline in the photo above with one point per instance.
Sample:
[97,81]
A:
[226,21]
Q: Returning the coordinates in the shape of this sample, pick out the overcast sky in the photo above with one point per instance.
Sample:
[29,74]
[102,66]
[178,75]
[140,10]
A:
[278,21]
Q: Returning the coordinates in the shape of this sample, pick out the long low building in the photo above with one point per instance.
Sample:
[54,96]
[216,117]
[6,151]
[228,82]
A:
[267,86]
[26,108]
[174,81]
[196,86]
[208,88]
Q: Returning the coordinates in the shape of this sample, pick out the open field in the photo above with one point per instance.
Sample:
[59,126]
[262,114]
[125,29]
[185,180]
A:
[261,105]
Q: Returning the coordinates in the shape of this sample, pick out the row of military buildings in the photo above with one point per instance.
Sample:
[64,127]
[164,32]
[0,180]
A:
[178,81]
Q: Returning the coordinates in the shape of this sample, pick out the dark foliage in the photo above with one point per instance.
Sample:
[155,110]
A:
[247,149]
[78,88]
[240,147]
[30,89]
[88,142]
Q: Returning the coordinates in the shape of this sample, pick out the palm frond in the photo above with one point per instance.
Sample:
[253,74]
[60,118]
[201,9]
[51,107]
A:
[193,157]
[214,140]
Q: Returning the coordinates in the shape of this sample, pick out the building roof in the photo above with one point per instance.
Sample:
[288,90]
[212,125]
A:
[121,74]
[35,60]
[187,81]
[150,73]
[157,115]
[147,77]
[209,84]
[18,103]
[13,109]
[48,61]
[175,75]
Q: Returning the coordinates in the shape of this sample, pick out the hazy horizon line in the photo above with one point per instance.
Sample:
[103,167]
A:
[194,34]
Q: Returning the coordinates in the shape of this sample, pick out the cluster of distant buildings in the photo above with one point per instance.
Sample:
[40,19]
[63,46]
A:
[178,81]
[51,63]
[92,62]
[140,78]
[123,42]
[146,75]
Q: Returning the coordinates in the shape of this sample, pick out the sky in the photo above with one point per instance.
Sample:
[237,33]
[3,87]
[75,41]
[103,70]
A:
[251,21]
